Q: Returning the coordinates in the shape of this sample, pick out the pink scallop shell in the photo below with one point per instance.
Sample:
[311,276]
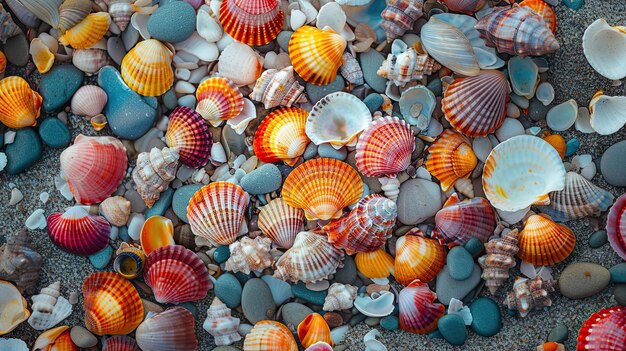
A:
[77,232]
[252,22]
[172,329]
[418,313]
[616,226]
[604,330]
[120,343]
[190,135]
[457,222]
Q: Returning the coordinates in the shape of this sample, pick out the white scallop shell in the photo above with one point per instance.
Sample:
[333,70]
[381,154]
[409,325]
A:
[608,113]
[449,46]
[605,49]
[89,101]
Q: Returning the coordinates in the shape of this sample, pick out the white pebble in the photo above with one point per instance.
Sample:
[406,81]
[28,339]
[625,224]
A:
[183,87]
[9,137]
[512,110]
[218,154]
[198,74]
[298,18]
[37,220]
[318,286]
[184,172]
[44,197]
[509,128]
[589,172]
[582,161]
[187,100]
[135,223]
[208,28]
[239,174]
[114,232]
[239,161]
[163,123]
[3,161]
[270,60]
[16,196]
[182,73]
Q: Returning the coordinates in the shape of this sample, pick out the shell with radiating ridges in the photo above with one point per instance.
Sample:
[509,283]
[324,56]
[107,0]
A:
[116,210]
[459,221]
[147,68]
[72,12]
[313,329]
[13,306]
[544,10]
[56,339]
[121,12]
[418,312]
[529,294]
[281,222]
[316,54]
[418,257]
[248,255]
[450,157]
[408,66]
[399,16]
[9,28]
[90,61]
[219,99]
[449,46]
[19,262]
[3,64]
[605,49]
[340,297]
[270,335]
[78,232]
[278,88]
[120,343]
[89,100]
[281,136]
[220,324]
[543,242]
[172,329]
[608,113]
[499,258]
[375,264]
[19,104]
[604,330]
[252,22]
[616,226]
[87,32]
[189,134]
[465,6]
[154,172]
[49,307]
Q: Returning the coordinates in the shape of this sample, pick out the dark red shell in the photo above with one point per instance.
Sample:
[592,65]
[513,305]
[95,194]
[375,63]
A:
[78,232]
[189,134]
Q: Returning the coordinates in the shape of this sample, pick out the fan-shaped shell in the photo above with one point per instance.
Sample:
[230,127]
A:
[476,106]
[313,329]
[170,330]
[375,264]
[418,257]
[543,242]
[111,303]
[120,343]
[57,339]
[78,232]
[19,105]
[281,136]
[522,171]
[384,148]
[3,64]
[87,32]
[544,10]
[608,113]
[89,100]
[616,226]
[252,22]
[465,6]
[72,12]
[147,68]
[316,54]
[451,157]
[605,49]
[219,99]
[604,330]
[322,188]
[90,61]
[281,222]
[189,134]
[278,88]
[94,167]
[216,212]
[269,335]
[458,222]
[13,307]
[418,312]
[449,46]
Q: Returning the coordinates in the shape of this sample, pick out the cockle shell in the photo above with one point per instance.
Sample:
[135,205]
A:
[340,297]
[87,32]
[154,172]
[281,136]
[407,66]
[322,188]
[605,49]
[42,56]
[219,99]
[3,64]
[172,329]
[351,70]
[120,343]
[13,307]
[544,10]
[418,257]
[616,226]
[252,22]
[313,329]
[558,143]
[19,262]
[78,232]
[604,330]
[399,16]
[310,259]
[220,324]
[278,88]
[19,105]
[281,222]
[49,308]
[72,12]
[316,54]
[240,63]
[375,264]
[450,157]
[216,211]
[522,171]
[449,46]
[476,106]
[189,134]
[527,295]
[116,210]
[56,339]
[459,221]
[608,113]
[90,61]
[543,242]
[269,335]
[248,255]
[89,100]
[147,68]
[111,303]
[499,258]
[418,312]
[465,6]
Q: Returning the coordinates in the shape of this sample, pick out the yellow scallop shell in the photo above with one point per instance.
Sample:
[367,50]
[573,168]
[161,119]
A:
[19,104]
[147,68]
[316,54]
[87,32]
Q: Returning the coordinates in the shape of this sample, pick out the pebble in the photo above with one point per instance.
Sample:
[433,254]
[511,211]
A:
[419,199]
[173,22]
[460,263]
[327,150]
[520,101]
[537,110]
[310,151]
[16,50]
[228,289]
[620,294]
[435,86]
[281,290]
[613,164]
[333,319]
[242,277]
[225,348]
[574,4]
[189,306]
[244,329]
[23,152]
[510,127]
[316,92]
[371,61]
[474,247]
[54,133]
[181,199]
[283,40]
[83,337]
[102,258]
[262,180]
[169,99]
[598,239]
[356,319]
[571,146]
[448,288]
[123,234]
[372,321]
[347,273]
[221,254]
[162,204]
[582,279]
[315,297]
[373,102]
[558,333]
[452,328]
[59,85]
[390,323]
[294,313]
[618,273]
[486,318]
[257,302]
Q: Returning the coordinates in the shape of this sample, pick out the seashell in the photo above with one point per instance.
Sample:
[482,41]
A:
[281,222]
[172,329]
[120,343]
[605,49]
[608,113]
[13,306]
[459,221]
[378,305]
[616,226]
[310,259]
[351,70]
[72,12]
[78,232]
[19,262]
[407,66]
[417,105]
[176,275]
[49,308]
[278,88]
[42,57]
[579,199]
[116,210]
[465,6]
[543,242]
[476,106]
[22,14]
[498,259]
[366,228]
[557,142]
[239,63]
[545,93]
[19,105]
[255,22]
[281,136]
[319,346]
[220,324]
[189,134]
[87,32]
[129,260]
[316,54]
[147,68]
[542,9]
[216,212]
[418,258]
[457,54]
[450,158]
[524,74]
[604,330]
[322,188]
[375,264]
[517,31]
[57,339]
[219,99]
[399,16]
[332,15]
[111,303]
[156,232]
[313,329]
[121,13]
[418,312]
[13,345]
[3,64]
[340,297]
[522,171]
[9,28]
[90,61]
[154,172]
[337,118]
[248,255]
[384,148]
[89,100]
[269,335]
[527,295]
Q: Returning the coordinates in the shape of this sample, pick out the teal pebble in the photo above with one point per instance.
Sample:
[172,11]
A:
[24,151]
[181,199]
[242,277]
[435,86]
[598,239]
[511,313]
[317,92]
[435,335]
[460,263]
[262,180]
[170,100]
[228,289]
[173,22]
[452,328]
[474,247]
[257,302]
[520,101]
[162,204]
[356,319]
[283,40]
[54,133]
[373,102]
[221,254]
[558,333]
[571,147]
[618,273]
[123,234]
[486,318]
[390,323]
[59,85]
[310,151]
[315,297]
[370,63]
[619,293]
[189,306]
[574,4]
[102,258]
[327,150]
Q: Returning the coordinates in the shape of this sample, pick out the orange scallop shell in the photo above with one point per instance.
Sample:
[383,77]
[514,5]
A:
[543,242]
[316,54]
[281,136]
[418,312]
[3,64]
[62,342]
[557,142]
[156,232]
[147,68]
[418,257]
[281,222]
[219,99]
[120,343]
[87,32]
[270,336]
[544,10]
[451,158]
[313,329]
[375,264]
[20,106]
[252,22]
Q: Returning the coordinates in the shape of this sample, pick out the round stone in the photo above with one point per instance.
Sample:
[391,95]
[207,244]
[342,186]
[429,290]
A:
[460,263]
[83,337]
[257,302]
[327,150]
[281,290]
[228,289]
[181,199]
[558,333]
[613,164]
[173,22]
[618,273]
[315,297]
[283,40]
[59,85]
[370,61]
[317,92]
[447,287]
[474,247]
[262,180]
[293,314]
[620,294]
[582,279]
[16,50]
[54,133]
[537,110]
[310,151]
[24,151]
[390,323]
[419,199]
[221,254]
[102,258]
[598,239]
[373,102]
[333,319]
[347,273]
[486,318]
[452,328]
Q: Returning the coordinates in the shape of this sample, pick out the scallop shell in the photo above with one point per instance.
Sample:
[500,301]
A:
[418,312]
[220,324]
[449,46]
[316,54]
[407,66]
[543,242]
[219,99]
[459,221]
[89,100]
[418,257]
[605,49]
[57,339]
[90,61]
[384,148]
[156,232]
[72,12]
[42,57]
[281,136]
[375,264]
[313,329]
[216,212]
[269,335]
[399,16]
[111,303]
[608,113]
[522,171]
[46,10]
[172,329]
[476,106]
[465,6]
[49,308]
[13,306]
[616,226]
[87,32]
[248,255]
[189,134]
[322,188]
[78,232]
[94,167]
[310,259]
[252,22]
[147,68]
[240,63]
[19,105]
[450,157]
[120,343]
[544,10]
[278,88]
[281,222]
[604,330]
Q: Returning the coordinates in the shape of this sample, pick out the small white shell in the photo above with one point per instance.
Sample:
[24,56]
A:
[561,117]
[378,305]
[239,63]
[371,343]
[13,345]
[545,93]
[608,113]
[49,308]
[89,101]
[340,297]
[605,49]
[332,15]
[241,121]
[583,121]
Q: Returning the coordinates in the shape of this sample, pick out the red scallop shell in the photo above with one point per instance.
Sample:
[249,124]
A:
[616,226]
[604,330]
[189,134]
[418,312]
[78,232]
[252,22]
[120,343]
[457,222]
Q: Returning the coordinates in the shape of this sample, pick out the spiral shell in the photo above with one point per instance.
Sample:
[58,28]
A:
[459,221]
[77,232]
[172,329]
[604,330]
[281,222]
[147,68]
[399,16]
[499,258]
[340,297]
[19,105]
[154,172]
[120,343]
[87,32]
[220,324]
[219,99]
[13,306]
[252,22]
[544,10]
[189,134]
[20,263]
[451,157]
[616,226]
[529,294]
[269,335]
[248,255]
[418,312]
[351,70]
[418,257]
[281,136]
[278,88]
[408,66]
[121,13]
[544,243]
[89,100]
[313,329]
[316,54]
[49,307]
[375,264]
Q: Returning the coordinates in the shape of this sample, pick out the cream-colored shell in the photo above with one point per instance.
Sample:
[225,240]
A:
[605,49]
[220,324]
[608,113]
[248,255]
[340,297]
[116,210]
[154,172]
[49,308]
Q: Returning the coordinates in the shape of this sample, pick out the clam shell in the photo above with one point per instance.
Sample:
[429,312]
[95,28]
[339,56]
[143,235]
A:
[418,257]
[524,74]
[313,329]
[252,22]
[19,105]
[219,99]
[281,136]
[72,12]
[465,6]
[375,264]
[451,157]
[418,312]
[269,335]
[544,10]
[90,60]
[147,68]
[278,88]
[399,16]
[604,330]
[543,242]
[605,49]
[120,343]
[608,113]
[42,57]
[459,221]
[172,329]
[189,134]
[77,232]
[449,46]
[281,222]
[156,232]
[384,148]
[616,226]
[89,100]
[13,306]
[316,54]
[557,142]
[240,63]
[87,32]
[57,339]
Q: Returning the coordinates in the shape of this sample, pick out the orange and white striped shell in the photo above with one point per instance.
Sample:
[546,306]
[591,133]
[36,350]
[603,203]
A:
[375,264]
[313,329]
[270,335]
[20,106]
[111,303]
[87,32]
[172,329]
[476,106]
[147,68]
[278,88]
[418,257]
[616,226]
[544,10]
[219,99]
[281,136]
[281,222]
[252,22]
[450,158]
[459,221]
[56,339]
[418,312]
[78,232]
[316,54]
[189,134]
[543,242]
[384,148]
[322,188]
[120,343]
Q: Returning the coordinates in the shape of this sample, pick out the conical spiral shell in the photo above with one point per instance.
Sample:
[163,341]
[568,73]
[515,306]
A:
[147,68]
[544,10]
[418,257]
[399,16]
[78,232]
[87,32]
[527,295]
[458,222]
[170,330]
[49,308]
[19,105]
[72,12]
[278,88]
[189,134]
[451,157]
[219,99]
[154,172]
[121,13]
[407,66]
[248,255]
[604,330]
[120,343]
[499,258]
[281,222]
[220,324]
[20,263]
[270,335]
[316,54]
[375,264]
[418,312]
[252,22]
[281,136]
[616,226]
[544,243]
[313,329]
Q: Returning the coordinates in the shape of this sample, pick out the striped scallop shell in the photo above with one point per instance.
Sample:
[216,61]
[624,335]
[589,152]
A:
[270,335]
[281,136]
[604,330]
[458,222]
[111,303]
[219,99]
[522,171]
[278,88]
[418,257]
[89,100]
[147,68]
[20,106]
[176,275]
[120,343]
[189,134]
[449,46]
[476,106]
[281,222]
[310,259]
[543,242]
[450,158]
[57,339]
[87,32]
[94,167]
[544,10]
[322,188]
[465,6]
[384,148]
[616,226]
[375,264]
[78,232]
[216,211]
[172,329]
[418,312]
[252,22]
[72,12]
[316,54]
[313,329]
